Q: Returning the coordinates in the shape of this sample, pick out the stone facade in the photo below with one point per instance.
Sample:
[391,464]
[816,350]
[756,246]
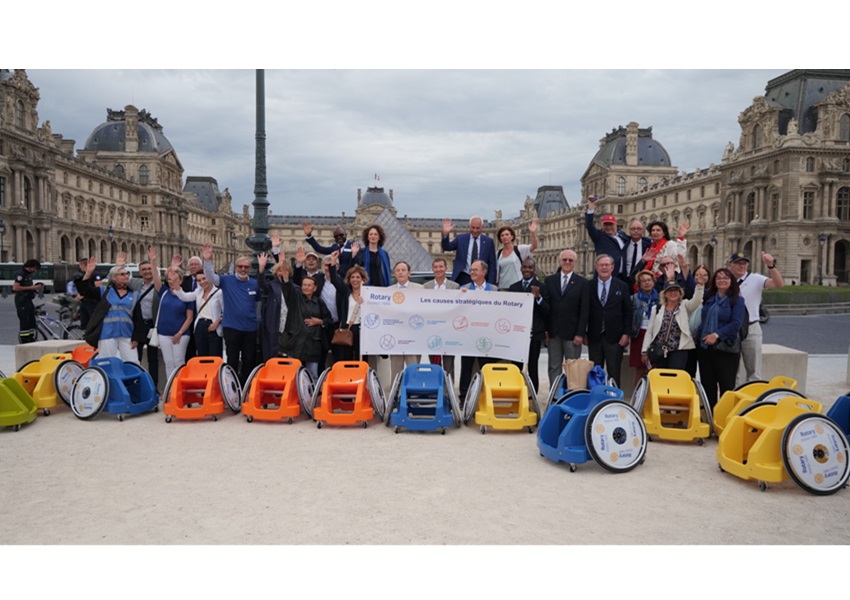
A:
[120,196]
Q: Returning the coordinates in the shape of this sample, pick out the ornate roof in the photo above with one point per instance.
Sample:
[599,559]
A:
[650,153]
[111,136]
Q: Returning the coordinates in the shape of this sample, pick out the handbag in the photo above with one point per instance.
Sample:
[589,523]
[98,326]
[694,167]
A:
[657,350]
[153,334]
[345,337]
[733,347]
[577,370]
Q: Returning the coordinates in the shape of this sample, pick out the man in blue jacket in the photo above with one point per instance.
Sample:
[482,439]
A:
[605,241]
[239,295]
[468,248]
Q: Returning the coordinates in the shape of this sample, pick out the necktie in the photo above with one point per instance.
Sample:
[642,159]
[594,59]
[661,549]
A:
[525,285]
[474,249]
[565,279]
[604,296]
[634,258]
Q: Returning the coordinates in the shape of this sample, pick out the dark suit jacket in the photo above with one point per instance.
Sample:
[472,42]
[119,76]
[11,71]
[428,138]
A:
[298,274]
[568,312]
[639,264]
[541,309]
[486,252]
[345,260]
[616,314]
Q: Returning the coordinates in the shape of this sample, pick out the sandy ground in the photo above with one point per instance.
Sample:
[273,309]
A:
[143,481]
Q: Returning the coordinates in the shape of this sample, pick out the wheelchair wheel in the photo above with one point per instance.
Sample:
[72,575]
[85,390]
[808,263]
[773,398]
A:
[615,436]
[815,452]
[639,395]
[774,395]
[392,403]
[532,397]
[706,406]
[470,403]
[231,391]
[376,393]
[246,391]
[746,383]
[316,398]
[2,375]
[64,378]
[555,390]
[166,393]
[90,393]
[304,381]
[449,390]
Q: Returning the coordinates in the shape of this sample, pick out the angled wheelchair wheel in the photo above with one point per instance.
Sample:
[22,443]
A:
[316,398]
[393,399]
[746,383]
[569,395]
[64,378]
[231,391]
[376,393]
[815,453]
[246,391]
[90,393]
[615,436]
[532,397]
[639,395]
[555,389]
[166,392]
[706,406]
[449,388]
[470,403]
[304,381]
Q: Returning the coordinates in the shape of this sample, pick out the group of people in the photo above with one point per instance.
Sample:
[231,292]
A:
[671,316]
[643,295]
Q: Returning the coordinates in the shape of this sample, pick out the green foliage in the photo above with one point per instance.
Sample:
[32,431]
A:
[806,294]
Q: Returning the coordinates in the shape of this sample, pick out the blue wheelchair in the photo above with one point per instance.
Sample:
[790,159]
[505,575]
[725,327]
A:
[113,386]
[422,398]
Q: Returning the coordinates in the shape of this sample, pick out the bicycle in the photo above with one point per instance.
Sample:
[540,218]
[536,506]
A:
[51,328]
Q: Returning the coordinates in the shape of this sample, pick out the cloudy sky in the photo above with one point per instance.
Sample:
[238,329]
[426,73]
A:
[448,142]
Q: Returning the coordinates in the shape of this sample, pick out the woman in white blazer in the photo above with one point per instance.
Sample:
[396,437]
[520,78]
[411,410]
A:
[669,327]
[207,328]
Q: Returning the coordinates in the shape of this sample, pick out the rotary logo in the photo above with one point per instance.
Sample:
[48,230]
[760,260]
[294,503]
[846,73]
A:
[398,297]
[635,442]
[614,457]
[818,478]
[622,415]
[840,457]
[460,323]
[600,429]
[797,449]
[484,344]
[819,429]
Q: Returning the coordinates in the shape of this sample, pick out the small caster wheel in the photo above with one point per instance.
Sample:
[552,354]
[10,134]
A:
[120,418]
[249,418]
[642,460]
[46,412]
[763,486]
[289,420]
[483,430]
[719,466]
[16,427]
[365,424]
[541,454]
[573,467]
[168,419]
[531,430]
[156,408]
[215,418]
[700,442]
[318,424]
[396,430]
[443,431]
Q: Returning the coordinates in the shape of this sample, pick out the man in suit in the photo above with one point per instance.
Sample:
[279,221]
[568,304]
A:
[398,362]
[567,296]
[610,318]
[636,245]
[340,244]
[606,240]
[478,274]
[530,284]
[468,248]
[441,282]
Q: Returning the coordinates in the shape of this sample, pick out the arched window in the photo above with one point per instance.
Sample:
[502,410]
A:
[642,182]
[19,114]
[842,204]
[751,207]
[808,205]
[810,164]
[844,127]
[756,137]
[621,186]
[143,175]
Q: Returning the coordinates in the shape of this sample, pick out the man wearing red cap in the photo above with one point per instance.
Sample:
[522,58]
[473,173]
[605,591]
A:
[606,240]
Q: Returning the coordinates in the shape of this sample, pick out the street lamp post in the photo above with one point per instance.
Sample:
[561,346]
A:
[584,245]
[821,242]
[110,231]
[713,242]
[2,233]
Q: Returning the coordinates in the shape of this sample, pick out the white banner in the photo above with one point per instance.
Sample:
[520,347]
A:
[420,321]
